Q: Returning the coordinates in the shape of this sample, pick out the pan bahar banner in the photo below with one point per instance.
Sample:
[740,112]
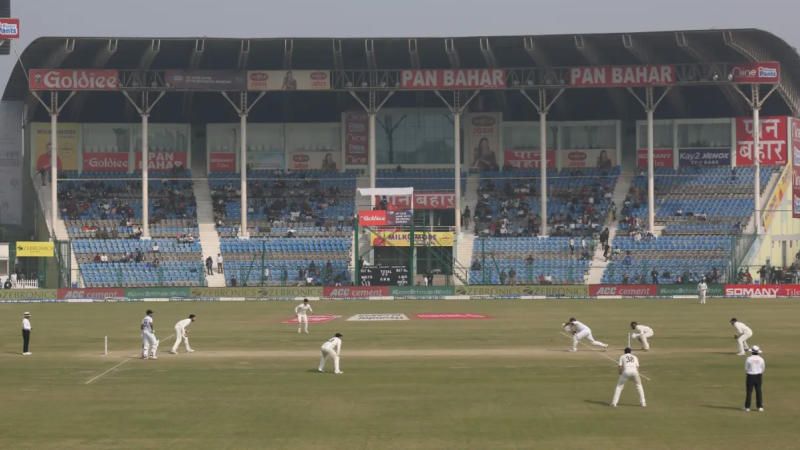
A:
[402,239]
[68,138]
[772,141]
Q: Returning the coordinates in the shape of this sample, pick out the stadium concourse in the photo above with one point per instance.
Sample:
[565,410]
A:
[565,159]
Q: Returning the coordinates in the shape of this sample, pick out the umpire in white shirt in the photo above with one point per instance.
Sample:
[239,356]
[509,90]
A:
[754,367]
[26,332]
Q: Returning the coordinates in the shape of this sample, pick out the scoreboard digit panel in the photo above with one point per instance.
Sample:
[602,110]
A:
[384,276]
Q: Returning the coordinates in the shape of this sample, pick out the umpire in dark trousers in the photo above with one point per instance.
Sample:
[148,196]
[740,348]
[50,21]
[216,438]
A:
[26,333]
[754,367]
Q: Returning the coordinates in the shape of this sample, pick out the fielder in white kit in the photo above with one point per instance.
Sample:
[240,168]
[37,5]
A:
[702,289]
[181,334]
[302,311]
[743,333]
[628,369]
[642,333]
[149,341]
[579,331]
[331,348]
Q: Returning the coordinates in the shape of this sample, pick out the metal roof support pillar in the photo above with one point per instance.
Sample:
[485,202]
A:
[457,108]
[53,108]
[371,107]
[543,107]
[243,108]
[650,104]
[144,110]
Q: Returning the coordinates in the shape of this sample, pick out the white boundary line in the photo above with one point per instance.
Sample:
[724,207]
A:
[117,365]
[604,355]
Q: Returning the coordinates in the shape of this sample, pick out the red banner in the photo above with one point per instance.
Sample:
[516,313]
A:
[761,290]
[355,291]
[662,157]
[91,293]
[622,76]
[372,218]
[9,28]
[624,290]
[453,79]
[222,162]
[761,72]
[795,134]
[162,160]
[105,162]
[772,141]
[528,159]
[73,80]
[424,200]
[356,138]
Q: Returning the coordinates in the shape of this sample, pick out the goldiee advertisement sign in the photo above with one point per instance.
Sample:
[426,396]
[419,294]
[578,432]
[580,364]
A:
[552,290]
[73,80]
[383,217]
[668,290]
[257,292]
[105,162]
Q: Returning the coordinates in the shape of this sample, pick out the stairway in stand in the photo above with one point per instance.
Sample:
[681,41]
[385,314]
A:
[209,238]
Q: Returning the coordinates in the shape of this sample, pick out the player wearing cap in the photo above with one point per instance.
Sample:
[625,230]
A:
[628,369]
[642,333]
[331,348]
[702,289]
[579,331]
[754,367]
[181,333]
[743,333]
[26,333]
[149,341]
[302,311]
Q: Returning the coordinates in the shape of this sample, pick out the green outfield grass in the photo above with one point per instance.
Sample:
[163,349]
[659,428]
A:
[506,382]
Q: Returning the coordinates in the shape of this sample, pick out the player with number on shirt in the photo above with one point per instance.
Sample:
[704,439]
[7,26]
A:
[628,369]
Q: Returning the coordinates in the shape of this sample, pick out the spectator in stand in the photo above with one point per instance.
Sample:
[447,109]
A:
[466,216]
[571,245]
[604,236]
[512,276]
[476,265]
[210,266]
[606,251]
[219,263]
[625,278]
[503,276]
[654,276]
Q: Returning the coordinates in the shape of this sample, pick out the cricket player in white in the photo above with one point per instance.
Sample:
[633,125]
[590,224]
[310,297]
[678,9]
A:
[702,288]
[181,334]
[149,341]
[743,333]
[642,333]
[579,331]
[331,348]
[628,369]
[302,311]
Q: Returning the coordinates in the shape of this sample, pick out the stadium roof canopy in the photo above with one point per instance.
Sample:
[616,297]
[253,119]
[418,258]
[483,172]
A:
[365,54]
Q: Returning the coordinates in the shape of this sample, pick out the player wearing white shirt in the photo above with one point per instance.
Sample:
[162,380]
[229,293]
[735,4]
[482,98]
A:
[302,311]
[149,341]
[754,367]
[26,333]
[181,333]
[702,288]
[642,333]
[628,369]
[331,348]
[579,331]
[743,333]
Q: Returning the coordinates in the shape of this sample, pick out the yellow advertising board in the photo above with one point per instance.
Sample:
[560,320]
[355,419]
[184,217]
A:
[68,138]
[35,249]
[421,238]
[784,184]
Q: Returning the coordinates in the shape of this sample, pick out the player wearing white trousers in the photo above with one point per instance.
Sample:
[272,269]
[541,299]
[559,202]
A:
[331,348]
[149,341]
[702,289]
[628,370]
[581,331]
[743,333]
[302,311]
[181,334]
[642,333]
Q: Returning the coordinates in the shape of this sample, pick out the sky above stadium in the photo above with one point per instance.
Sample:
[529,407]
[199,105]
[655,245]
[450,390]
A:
[382,18]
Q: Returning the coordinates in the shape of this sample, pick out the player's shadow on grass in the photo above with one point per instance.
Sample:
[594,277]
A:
[596,402]
[721,407]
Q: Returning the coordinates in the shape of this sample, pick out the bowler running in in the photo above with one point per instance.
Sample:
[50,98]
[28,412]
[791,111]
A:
[628,370]
[302,311]
[182,334]
[331,348]
[579,331]
[149,341]
[642,333]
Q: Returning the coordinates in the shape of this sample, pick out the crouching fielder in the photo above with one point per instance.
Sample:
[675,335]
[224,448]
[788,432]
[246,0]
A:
[149,341]
[331,349]
[743,333]
[642,333]
[628,369]
[580,331]
[182,334]
[302,311]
